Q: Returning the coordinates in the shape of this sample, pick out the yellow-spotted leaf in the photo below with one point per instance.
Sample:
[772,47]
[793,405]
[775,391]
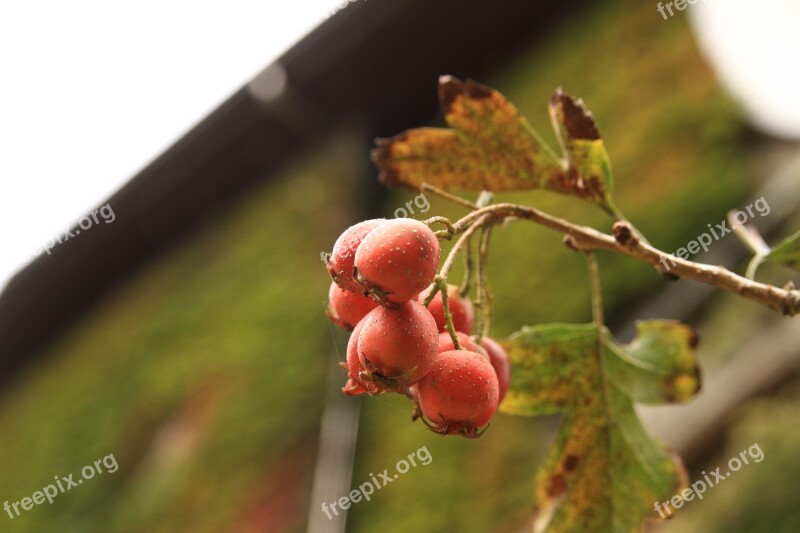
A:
[544,360]
[490,146]
[605,471]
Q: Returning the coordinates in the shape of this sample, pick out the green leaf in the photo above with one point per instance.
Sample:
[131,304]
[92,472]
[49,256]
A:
[658,366]
[605,472]
[544,360]
[787,252]
[491,146]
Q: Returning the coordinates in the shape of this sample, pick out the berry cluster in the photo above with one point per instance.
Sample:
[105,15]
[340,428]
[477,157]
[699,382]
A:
[383,272]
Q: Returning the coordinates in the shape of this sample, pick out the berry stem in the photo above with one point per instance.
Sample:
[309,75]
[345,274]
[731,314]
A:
[484,198]
[441,279]
[475,225]
[431,295]
[448,316]
[469,269]
[446,233]
[484,300]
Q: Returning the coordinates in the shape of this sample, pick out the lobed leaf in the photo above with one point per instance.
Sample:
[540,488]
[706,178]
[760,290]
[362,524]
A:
[605,471]
[490,146]
[545,362]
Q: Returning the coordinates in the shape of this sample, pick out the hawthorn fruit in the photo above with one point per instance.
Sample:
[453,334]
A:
[397,260]
[460,394]
[346,309]
[397,347]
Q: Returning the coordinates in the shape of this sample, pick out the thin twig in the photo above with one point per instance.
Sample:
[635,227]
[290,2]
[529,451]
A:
[441,279]
[446,233]
[448,316]
[469,268]
[426,187]
[477,223]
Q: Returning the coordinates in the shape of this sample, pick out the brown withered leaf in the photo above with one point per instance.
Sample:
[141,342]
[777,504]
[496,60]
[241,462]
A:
[588,167]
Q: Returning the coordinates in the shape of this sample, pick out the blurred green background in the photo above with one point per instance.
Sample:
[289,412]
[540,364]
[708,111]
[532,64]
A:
[205,374]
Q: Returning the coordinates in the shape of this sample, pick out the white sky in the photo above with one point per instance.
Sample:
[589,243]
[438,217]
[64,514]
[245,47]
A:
[91,92]
[755,48]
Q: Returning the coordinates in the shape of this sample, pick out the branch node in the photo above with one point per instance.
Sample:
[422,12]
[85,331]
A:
[624,235]
[571,243]
[669,276]
[791,304]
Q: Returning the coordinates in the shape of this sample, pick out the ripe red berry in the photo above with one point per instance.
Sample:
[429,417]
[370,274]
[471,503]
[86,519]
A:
[397,260]
[354,384]
[340,261]
[397,347]
[459,394]
[347,308]
[467,343]
[460,308]
[499,360]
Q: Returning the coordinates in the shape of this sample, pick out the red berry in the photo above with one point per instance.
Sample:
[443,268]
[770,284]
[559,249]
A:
[397,347]
[354,384]
[397,260]
[340,261]
[499,360]
[460,308]
[347,308]
[459,394]
[467,343]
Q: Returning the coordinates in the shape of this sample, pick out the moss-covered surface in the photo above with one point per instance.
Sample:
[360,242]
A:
[204,375]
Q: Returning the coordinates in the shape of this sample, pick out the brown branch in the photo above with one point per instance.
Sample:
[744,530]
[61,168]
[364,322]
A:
[625,241]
